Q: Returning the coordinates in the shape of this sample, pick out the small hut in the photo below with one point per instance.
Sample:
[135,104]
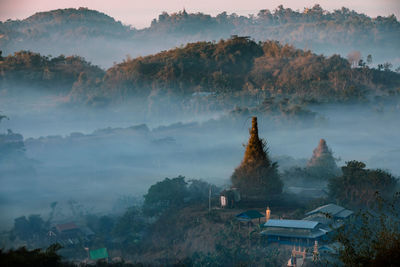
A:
[249,216]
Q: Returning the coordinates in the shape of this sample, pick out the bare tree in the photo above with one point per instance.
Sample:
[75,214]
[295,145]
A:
[353,58]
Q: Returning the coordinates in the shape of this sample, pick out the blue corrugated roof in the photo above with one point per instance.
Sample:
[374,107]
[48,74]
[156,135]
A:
[250,214]
[312,234]
[302,224]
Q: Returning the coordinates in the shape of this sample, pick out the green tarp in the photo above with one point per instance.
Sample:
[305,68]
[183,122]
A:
[98,254]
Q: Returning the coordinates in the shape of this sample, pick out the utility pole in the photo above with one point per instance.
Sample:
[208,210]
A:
[209,199]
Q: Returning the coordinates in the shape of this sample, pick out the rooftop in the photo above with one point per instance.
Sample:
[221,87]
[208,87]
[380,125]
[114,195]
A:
[66,227]
[333,210]
[249,215]
[300,224]
[344,213]
[296,234]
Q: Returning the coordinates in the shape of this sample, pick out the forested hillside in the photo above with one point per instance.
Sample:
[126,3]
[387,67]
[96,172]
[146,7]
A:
[81,31]
[58,74]
[237,68]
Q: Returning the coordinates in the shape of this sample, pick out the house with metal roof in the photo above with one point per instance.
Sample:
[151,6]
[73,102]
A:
[317,226]
[299,232]
[331,216]
[331,210]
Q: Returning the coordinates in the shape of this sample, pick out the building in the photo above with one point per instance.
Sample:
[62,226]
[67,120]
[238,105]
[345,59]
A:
[329,213]
[229,198]
[249,216]
[316,226]
[293,232]
[69,234]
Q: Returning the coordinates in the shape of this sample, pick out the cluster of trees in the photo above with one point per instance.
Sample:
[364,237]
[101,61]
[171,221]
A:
[175,193]
[372,238]
[234,69]
[70,22]
[12,154]
[37,257]
[240,64]
[59,74]
[339,23]
[357,186]
[127,228]
[31,229]
[279,109]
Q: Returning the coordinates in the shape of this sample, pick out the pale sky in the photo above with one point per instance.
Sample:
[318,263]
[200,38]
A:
[140,13]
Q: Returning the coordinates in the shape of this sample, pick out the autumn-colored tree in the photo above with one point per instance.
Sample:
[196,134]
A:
[257,176]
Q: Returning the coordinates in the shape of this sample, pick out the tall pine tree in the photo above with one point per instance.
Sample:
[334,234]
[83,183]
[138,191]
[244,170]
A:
[257,176]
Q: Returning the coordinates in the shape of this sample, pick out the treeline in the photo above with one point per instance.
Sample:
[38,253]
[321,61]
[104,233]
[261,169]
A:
[59,74]
[68,23]
[342,30]
[236,68]
[297,27]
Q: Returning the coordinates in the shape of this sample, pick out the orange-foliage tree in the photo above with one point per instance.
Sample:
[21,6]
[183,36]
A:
[257,176]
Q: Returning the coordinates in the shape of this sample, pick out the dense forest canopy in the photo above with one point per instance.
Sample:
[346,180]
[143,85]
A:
[69,23]
[234,67]
[74,31]
[57,73]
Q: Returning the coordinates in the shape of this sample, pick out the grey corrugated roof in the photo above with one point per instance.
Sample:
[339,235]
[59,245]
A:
[344,214]
[330,208]
[318,218]
[301,224]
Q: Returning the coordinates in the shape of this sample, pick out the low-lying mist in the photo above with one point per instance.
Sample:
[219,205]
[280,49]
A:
[96,156]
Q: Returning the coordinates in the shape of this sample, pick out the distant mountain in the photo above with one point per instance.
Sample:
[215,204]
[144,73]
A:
[102,40]
[71,23]
[83,32]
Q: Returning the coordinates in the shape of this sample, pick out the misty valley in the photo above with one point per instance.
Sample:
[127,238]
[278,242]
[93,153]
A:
[245,151]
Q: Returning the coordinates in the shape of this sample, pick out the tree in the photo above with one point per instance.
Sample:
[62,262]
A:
[36,257]
[369,59]
[257,177]
[357,185]
[129,225]
[354,57]
[165,194]
[3,117]
[198,190]
[387,66]
[372,238]
[28,229]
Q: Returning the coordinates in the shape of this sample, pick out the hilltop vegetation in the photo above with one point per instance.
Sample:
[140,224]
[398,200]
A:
[72,31]
[237,70]
[26,68]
